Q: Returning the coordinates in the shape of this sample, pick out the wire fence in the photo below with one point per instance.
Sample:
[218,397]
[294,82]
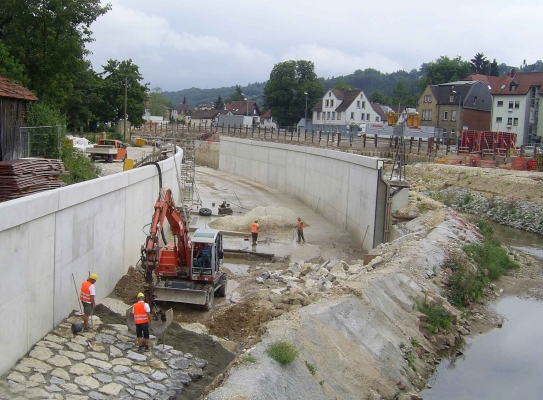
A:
[40,141]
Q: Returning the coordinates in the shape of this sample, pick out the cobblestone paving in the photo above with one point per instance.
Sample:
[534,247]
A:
[101,364]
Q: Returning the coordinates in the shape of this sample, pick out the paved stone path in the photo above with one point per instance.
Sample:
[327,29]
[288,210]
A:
[102,364]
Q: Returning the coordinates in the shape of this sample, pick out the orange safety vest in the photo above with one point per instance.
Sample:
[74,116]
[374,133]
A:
[85,292]
[300,225]
[254,227]
[140,315]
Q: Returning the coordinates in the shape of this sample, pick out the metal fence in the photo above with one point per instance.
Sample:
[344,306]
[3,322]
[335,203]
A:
[40,141]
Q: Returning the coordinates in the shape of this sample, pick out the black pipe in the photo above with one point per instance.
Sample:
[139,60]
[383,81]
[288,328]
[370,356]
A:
[157,165]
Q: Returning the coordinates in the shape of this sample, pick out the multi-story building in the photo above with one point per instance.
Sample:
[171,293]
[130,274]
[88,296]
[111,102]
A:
[339,109]
[516,105]
[455,106]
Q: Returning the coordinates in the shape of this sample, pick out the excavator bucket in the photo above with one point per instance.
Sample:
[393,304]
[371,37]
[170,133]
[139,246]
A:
[188,296]
[163,320]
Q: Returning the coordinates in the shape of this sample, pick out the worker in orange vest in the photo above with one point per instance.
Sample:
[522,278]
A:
[300,230]
[88,299]
[142,319]
[254,231]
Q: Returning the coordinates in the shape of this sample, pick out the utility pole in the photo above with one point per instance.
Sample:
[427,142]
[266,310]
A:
[125,101]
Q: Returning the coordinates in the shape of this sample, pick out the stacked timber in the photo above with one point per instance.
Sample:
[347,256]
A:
[26,176]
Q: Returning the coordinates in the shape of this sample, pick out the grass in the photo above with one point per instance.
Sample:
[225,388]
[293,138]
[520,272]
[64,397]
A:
[249,358]
[282,351]
[438,316]
[411,360]
[312,368]
[447,198]
[414,342]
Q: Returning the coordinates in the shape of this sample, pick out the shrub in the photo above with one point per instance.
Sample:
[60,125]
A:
[79,167]
[283,351]
[438,316]
[249,358]
[312,368]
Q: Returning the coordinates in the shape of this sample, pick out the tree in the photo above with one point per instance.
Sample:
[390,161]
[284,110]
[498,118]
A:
[184,100]
[219,104]
[285,91]
[379,98]
[237,95]
[444,70]
[401,94]
[158,103]
[479,64]
[341,84]
[116,75]
[494,68]
[48,37]
[10,67]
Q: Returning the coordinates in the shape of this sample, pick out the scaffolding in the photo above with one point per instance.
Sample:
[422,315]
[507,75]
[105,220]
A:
[189,192]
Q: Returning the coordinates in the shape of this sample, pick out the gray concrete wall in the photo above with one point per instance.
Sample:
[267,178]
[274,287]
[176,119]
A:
[95,226]
[343,187]
[207,154]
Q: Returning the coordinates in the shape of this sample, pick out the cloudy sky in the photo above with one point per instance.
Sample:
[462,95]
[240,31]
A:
[181,44]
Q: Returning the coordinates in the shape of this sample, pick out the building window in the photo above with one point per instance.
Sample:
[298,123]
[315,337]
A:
[510,105]
[474,99]
[509,121]
[426,115]
[445,115]
[358,104]
[352,116]
[517,105]
[453,116]
[500,103]
[515,121]
[331,103]
[333,115]
[338,116]
[427,99]
[363,116]
[498,120]
[513,87]
[452,133]
[328,115]
[451,98]
[318,115]
[377,119]
[326,104]
[329,94]
[363,104]
[367,117]
[444,132]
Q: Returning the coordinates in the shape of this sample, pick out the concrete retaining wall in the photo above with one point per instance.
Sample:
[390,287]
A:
[345,188]
[95,226]
[207,154]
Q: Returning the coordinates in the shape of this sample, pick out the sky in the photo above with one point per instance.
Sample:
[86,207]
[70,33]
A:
[180,44]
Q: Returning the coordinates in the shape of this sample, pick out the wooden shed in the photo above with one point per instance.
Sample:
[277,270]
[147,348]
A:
[14,99]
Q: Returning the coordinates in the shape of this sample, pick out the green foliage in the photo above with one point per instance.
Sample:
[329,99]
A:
[415,342]
[341,84]
[438,316]
[10,67]
[444,70]
[158,103]
[465,285]
[219,104]
[282,351]
[249,358]
[401,95]
[448,198]
[492,257]
[80,168]
[411,358]
[238,94]
[312,368]
[48,37]
[494,68]
[116,75]
[467,198]
[379,98]
[285,91]
[480,64]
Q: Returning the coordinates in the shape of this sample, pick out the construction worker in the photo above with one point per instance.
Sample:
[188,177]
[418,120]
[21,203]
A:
[254,231]
[300,230]
[88,299]
[142,319]
[204,256]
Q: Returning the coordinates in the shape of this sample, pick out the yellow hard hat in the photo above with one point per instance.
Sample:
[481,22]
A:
[140,295]
[93,277]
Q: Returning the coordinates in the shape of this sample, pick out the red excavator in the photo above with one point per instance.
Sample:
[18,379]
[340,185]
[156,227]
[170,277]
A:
[182,271]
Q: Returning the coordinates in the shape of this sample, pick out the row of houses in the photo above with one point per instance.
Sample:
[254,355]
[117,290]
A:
[509,104]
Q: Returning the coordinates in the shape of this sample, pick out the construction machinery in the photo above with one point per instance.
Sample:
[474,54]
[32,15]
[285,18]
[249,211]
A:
[180,271]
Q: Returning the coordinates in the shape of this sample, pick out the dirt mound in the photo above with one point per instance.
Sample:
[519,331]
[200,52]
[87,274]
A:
[269,218]
[130,285]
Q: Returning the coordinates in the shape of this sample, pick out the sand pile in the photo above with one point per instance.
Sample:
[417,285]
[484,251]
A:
[269,218]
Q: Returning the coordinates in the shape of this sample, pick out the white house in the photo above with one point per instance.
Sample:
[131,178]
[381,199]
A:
[516,105]
[343,108]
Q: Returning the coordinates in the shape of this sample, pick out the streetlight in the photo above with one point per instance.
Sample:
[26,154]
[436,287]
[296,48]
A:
[458,116]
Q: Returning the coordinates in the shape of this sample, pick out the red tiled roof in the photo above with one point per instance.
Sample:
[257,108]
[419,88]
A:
[523,80]
[14,90]
[267,114]
[491,81]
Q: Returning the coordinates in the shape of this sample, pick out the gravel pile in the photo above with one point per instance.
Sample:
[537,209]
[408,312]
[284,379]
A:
[269,218]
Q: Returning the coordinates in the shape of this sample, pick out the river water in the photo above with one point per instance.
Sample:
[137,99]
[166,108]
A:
[505,363]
